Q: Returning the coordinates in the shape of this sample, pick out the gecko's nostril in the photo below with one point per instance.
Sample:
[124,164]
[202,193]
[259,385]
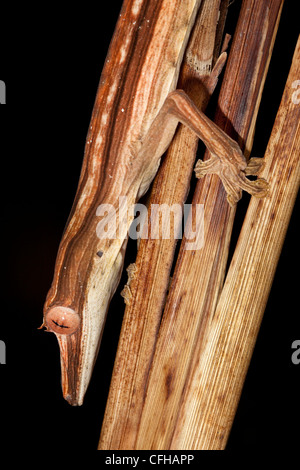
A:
[62,320]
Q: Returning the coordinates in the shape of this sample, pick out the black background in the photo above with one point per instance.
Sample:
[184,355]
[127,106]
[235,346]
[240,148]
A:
[51,60]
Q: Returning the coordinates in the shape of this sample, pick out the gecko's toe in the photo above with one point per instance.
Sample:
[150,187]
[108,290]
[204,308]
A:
[254,166]
[261,188]
[210,166]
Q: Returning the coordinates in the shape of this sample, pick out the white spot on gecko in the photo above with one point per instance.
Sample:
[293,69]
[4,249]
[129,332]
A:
[111,93]
[104,118]
[99,140]
[124,50]
[136,7]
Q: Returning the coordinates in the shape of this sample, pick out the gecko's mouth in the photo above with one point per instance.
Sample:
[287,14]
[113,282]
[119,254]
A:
[60,326]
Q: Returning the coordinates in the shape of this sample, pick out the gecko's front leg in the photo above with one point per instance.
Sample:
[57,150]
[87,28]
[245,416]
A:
[227,160]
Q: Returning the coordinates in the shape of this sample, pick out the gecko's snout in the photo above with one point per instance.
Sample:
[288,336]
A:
[62,320]
[72,400]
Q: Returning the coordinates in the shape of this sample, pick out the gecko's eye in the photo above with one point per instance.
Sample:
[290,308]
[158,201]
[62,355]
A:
[62,320]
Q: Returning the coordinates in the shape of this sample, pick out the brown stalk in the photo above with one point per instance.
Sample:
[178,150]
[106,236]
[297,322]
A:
[145,295]
[215,383]
[199,275]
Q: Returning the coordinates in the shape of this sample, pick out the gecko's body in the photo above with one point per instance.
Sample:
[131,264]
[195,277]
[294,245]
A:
[134,119]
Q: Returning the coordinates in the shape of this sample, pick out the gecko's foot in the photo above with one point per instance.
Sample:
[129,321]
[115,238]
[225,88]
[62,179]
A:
[210,166]
[126,292]
[234,177]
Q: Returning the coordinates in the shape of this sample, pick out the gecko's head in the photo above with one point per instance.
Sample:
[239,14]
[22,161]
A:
[77,317]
